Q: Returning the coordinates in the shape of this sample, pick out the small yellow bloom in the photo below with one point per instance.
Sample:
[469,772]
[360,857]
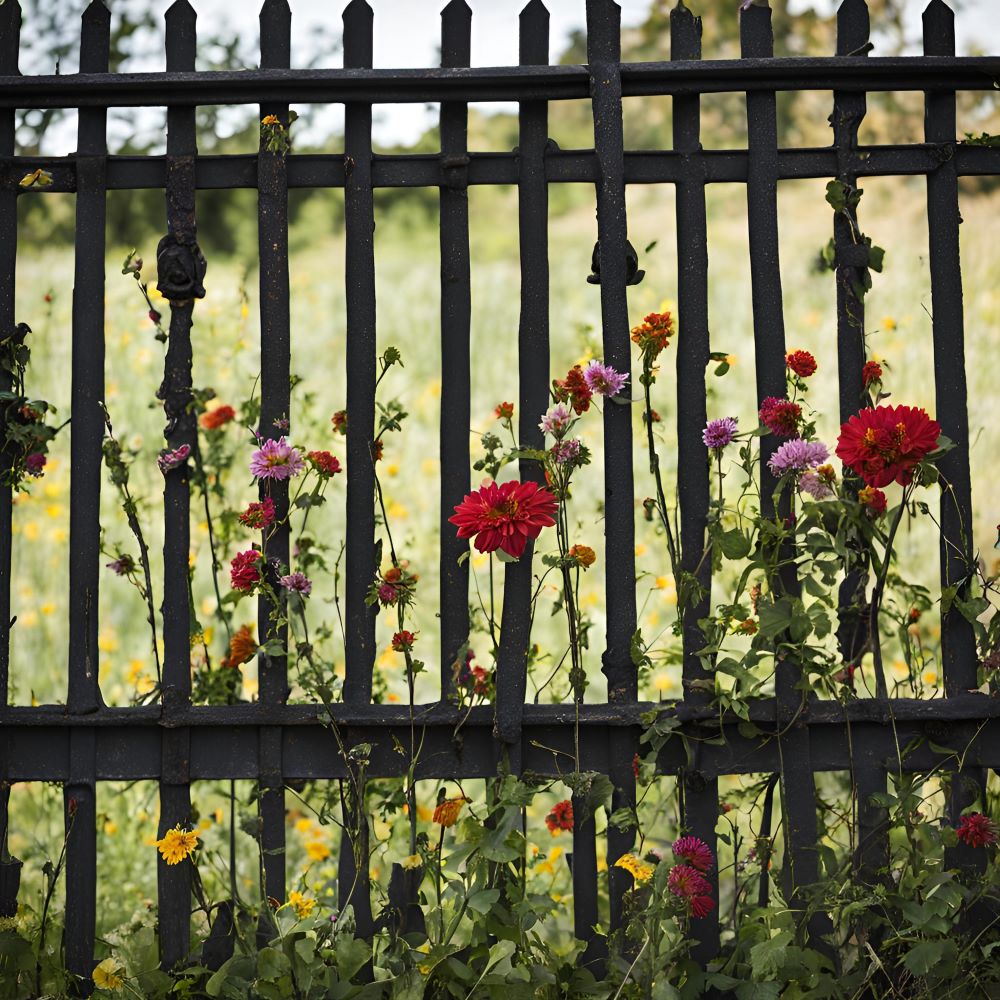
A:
[411,861]
[929,677]
[301,904]
[270,120]
[109,975]
[888,323]
[48,608]
[177,844]
[303,825]
[317,850]
[110,827]
[639,870]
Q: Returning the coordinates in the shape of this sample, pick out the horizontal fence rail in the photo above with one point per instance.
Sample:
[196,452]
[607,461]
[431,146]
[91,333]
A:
[270,742]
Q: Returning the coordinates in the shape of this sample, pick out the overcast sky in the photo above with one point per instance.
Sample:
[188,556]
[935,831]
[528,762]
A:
[407,33]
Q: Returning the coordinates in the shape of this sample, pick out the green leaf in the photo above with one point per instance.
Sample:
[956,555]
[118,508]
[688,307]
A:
[734,544]
[923,956]
[767,958]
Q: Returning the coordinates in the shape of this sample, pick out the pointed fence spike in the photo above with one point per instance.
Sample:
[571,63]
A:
[275,34]
[10,36]
[533,34]
[359,20]
[456,34]
[604,24]
[182,38]
[853,27]
[95,38]
[685,33]
[756,33]
[939,29]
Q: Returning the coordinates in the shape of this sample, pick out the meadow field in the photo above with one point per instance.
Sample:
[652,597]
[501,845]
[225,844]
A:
[226,350]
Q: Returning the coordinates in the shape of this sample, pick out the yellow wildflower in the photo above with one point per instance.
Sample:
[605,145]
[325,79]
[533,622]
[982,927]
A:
[301,904]
[411,861]
[317,850]
[270,120]
[110,827]
[177,844]
[109,975]
[303,825]
[639,870]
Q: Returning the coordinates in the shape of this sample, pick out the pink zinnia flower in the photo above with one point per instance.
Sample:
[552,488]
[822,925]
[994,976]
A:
[603,380]
[976,830]
[244,570]
[556,419]
[297,582]
[719,433]
[690,885]
[168,460]
[505,517]
[796,455]
[276,460]
[695,852]
[566,451]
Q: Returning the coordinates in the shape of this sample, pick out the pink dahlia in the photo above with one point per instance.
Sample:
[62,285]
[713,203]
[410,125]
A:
[695,852]
[505,516]
[690,885]
[299,583]
[276,460]
[566,451]
[556,419]
[796,455]
[719,433]
[603,380]
[168,460]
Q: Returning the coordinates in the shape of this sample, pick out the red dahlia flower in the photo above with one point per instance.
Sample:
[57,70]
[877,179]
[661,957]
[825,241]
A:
[505,516]
[802,363]
[872,372]
[976,830]
[887,443]
[244,571]
[573,389]
[561,817]
[781,416]
[324,463]
[873,499]
[690,885]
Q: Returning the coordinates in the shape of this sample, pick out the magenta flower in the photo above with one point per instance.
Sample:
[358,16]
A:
[695,852]
[168,460]
[556,419]
[276,460]
[566,451]
[603,380]
[35,463]
[387,593]
[719,433]
[796,455]
[299,583]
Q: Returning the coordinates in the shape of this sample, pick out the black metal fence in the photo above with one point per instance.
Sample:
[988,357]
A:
[175,743]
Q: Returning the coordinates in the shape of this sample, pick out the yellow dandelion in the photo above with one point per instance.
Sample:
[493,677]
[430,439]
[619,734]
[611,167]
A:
[640,549]
[28,620]
[888,323]
[109,975]
[110,827]
[392,469]
[929,677]
[639,870]
[411,861]
[107,641]
[31,531]
[53,510]
[302,906]
[303,825]
[177,844]
[47,608]
[663,682]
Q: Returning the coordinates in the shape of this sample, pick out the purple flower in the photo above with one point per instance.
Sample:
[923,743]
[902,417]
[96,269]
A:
[556,419]
[387,593]
[281,423]
[566,451]
[276,460]
[35,463]
[815,485]
[603,380]
[718,433]
[168,460]
[123,565]
[796,455]
[297,582]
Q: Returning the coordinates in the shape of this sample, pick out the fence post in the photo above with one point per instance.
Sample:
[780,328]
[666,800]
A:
[84,696]
[359,266]
[180,269]
[275,414]
[701,791]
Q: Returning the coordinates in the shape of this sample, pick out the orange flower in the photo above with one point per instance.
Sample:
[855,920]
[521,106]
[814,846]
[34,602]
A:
[583,555]
[212,420]
[242,647]
[446,813]
[653,334]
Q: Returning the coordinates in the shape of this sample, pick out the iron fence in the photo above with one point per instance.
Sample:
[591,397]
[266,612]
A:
[174,742]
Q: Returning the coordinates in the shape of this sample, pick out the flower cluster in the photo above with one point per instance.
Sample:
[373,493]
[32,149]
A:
[169,460]
[245,570]
[573,389]
[653,334]
[258,516]
[393,588]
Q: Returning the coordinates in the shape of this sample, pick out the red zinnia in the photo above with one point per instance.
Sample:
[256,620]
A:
[402,642]
[504,411]
[887,443]
[244,570]
[690,885]
[780,416]
[339,421]
[573,389]
[976,830]
[561,817]
[802,363]
[258,515]
[695,852]
[505,517]
[873,499]
[324,463]
[212,420]
[872,372]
